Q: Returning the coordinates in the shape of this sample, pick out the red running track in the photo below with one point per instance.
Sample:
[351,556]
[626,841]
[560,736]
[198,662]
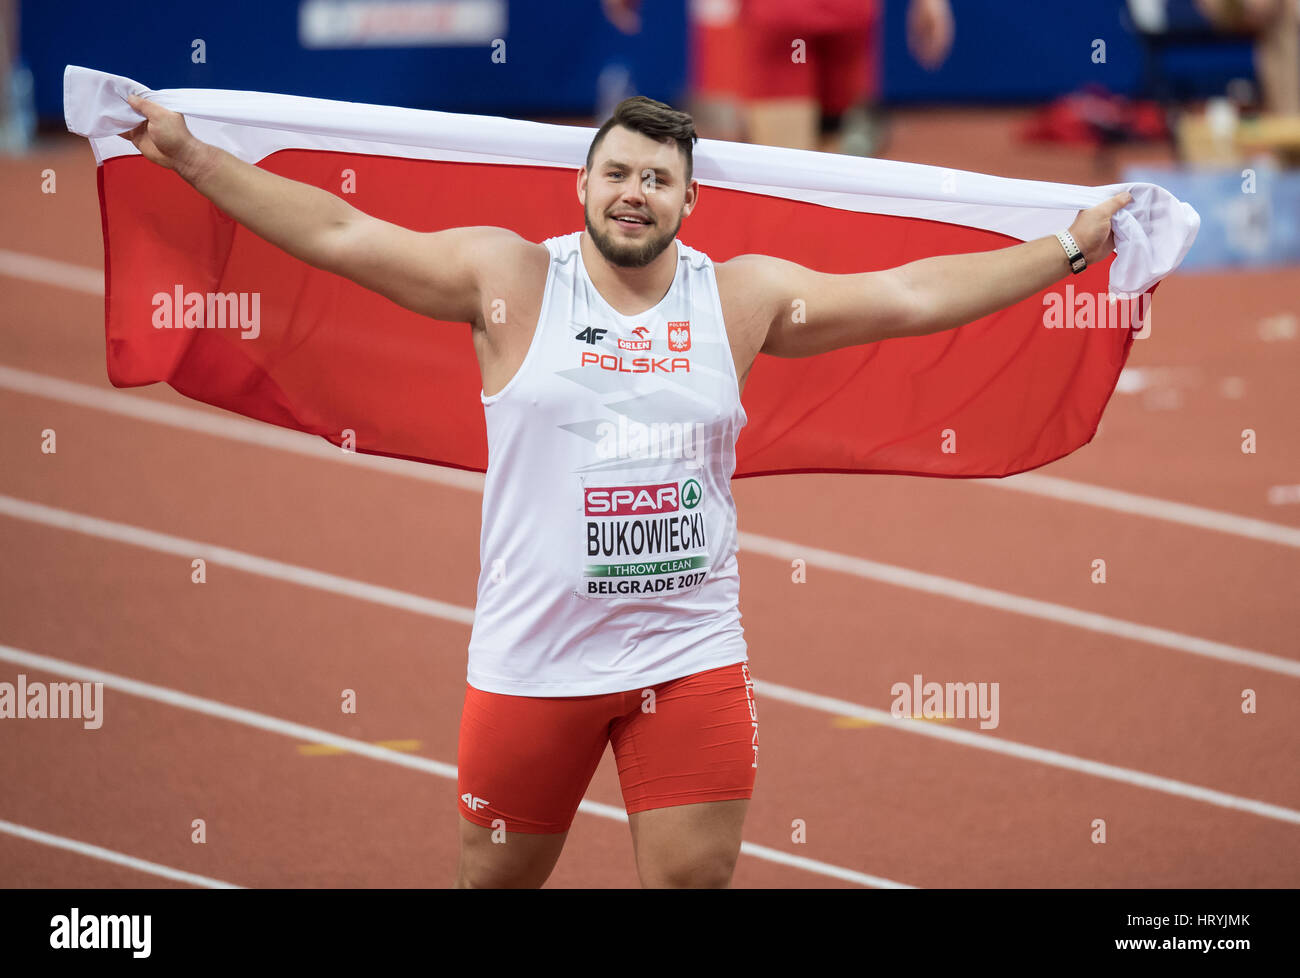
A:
[1194,792]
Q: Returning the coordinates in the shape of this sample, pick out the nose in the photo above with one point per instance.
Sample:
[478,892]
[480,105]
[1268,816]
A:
[637,187]
[634,193]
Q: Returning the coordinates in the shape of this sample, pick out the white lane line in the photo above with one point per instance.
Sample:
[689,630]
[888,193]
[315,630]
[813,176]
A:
[121,532]
[47,271]
[302,733]
[781,549]
[224,425]
[111,856]
[249,563]
[1159,509]
[825,869]
[272,437]
[1029,607]
[1027,752]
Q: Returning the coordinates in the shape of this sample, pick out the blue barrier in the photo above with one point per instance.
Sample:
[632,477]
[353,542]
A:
[561,56]
[555,55]
[1030,50]
[1250,217]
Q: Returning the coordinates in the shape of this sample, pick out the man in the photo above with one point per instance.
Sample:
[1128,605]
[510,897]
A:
[1276,25]
[812,73]
[607,603]
[807,73]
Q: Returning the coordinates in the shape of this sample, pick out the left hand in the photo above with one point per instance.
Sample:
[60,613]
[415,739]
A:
[929,31]
[1091,229]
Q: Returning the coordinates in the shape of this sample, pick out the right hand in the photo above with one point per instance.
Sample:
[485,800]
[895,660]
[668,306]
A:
[163,137]
[1092,230]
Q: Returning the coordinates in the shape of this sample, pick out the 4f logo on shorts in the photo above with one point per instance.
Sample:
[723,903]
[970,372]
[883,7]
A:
[679,336]
[473,803]
[592,335]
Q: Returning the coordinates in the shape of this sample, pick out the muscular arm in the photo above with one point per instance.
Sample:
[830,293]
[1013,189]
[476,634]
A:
[808,312]
[434,273]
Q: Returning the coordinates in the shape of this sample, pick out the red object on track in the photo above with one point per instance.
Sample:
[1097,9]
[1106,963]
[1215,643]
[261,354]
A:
[1094,117]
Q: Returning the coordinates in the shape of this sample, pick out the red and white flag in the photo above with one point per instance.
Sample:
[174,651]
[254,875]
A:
[199,302]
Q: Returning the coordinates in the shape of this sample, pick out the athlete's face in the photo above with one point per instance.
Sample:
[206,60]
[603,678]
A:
[635,196]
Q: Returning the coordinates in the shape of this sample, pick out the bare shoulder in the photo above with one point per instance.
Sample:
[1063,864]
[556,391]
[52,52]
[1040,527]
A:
[754,287]
[487,238]
[755,277]
[503,261]
[492,248]
[510,276]
[744,271]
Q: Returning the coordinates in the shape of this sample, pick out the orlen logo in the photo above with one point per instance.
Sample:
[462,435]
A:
[642,341]
[631,500]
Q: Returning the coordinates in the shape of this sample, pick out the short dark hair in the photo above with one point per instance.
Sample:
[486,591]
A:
[654,119]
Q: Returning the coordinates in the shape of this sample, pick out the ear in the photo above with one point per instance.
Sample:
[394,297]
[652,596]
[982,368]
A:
[582,186]
[691,198]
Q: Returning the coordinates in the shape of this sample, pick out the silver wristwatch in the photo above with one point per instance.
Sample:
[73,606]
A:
[1077,262]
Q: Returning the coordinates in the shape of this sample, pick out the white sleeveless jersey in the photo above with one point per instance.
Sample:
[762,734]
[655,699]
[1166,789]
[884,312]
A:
[608,549]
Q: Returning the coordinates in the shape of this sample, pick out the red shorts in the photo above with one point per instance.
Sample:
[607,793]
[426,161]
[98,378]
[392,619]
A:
[527,760]
[837,69]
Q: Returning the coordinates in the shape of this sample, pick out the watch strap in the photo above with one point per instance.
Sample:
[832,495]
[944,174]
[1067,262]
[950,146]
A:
[1077,262]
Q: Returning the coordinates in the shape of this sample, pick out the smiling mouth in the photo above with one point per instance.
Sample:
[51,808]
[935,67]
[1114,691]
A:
[629,220]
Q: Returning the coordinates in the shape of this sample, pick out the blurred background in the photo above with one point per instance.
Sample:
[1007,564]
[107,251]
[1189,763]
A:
[1182,92]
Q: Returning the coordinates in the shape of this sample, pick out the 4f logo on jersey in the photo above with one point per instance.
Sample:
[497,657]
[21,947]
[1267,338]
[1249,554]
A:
[592,335]
[679,336]
[472,802]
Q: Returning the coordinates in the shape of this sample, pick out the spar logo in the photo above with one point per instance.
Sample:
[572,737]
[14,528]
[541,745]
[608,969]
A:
[647,500]
[642,341]
[679,336]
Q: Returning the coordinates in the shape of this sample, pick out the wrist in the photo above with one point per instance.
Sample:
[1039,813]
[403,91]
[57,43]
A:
[196,161]
[1071,251]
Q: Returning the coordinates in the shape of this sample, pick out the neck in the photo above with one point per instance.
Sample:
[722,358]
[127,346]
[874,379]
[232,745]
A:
[630,290]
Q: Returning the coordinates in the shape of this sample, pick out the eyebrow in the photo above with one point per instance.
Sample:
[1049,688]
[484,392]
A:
[659,172]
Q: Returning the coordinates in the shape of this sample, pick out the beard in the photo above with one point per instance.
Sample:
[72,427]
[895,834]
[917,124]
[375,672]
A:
[630,254]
